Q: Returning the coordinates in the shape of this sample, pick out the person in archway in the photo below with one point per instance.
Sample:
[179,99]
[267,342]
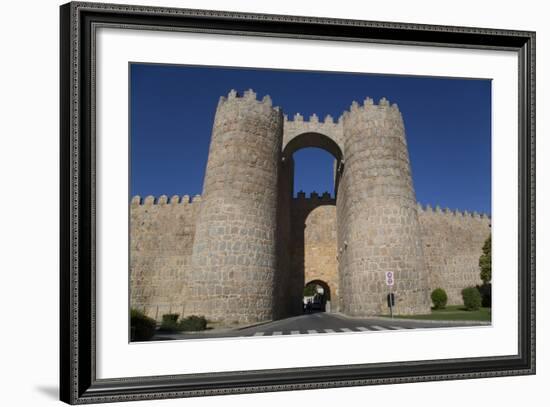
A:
[308,306]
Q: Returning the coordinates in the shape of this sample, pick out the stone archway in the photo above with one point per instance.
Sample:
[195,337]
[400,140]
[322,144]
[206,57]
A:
[315,245]
[305,133]
[319,298]
[307,229]
[313,139]
[305,140]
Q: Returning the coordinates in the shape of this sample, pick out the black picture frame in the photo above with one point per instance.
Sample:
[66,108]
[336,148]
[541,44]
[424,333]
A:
[78,382]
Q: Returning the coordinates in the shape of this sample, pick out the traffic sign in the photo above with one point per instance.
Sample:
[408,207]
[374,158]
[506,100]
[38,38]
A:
[389,278]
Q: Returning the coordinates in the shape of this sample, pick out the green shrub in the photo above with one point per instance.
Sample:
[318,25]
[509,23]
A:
[142,327]
[471,298]
[192,323]
[169,322]
[439,298]
[170,317]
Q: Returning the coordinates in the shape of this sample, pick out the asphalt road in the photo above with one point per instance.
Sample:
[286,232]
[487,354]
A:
[317,323]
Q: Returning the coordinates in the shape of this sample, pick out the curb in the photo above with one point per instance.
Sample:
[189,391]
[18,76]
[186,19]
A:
[423,321]
[437,321]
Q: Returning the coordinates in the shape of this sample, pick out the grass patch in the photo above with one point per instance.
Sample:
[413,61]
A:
[452,313]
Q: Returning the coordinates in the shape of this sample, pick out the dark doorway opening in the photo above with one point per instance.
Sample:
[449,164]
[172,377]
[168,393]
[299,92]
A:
[316,297]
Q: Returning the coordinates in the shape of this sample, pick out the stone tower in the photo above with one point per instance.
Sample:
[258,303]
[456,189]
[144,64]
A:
[234,256]
[378,228]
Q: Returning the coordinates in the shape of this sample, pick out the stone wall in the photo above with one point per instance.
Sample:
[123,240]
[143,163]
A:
[314,247]
[452,244]
[288,292]
[161,243]
[162,233]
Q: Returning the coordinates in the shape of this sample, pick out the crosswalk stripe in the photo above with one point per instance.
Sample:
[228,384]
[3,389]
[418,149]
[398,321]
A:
[345,330]
[330,331]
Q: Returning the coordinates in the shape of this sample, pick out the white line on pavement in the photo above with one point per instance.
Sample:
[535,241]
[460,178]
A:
[329,331]
[361,328]
[396,327]
[311,331]
[345,330]
[277,333]
[295,332]
[258,333]
[379,328]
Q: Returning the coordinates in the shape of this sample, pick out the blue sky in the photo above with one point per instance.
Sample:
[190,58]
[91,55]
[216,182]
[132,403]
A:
[447,122]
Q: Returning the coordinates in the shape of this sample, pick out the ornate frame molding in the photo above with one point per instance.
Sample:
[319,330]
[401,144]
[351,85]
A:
[79,21]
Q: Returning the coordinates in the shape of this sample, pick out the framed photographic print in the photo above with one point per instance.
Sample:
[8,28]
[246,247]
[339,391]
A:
[256,203]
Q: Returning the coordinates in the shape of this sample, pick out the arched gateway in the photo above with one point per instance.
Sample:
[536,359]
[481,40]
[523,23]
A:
[244,250]
[244,242]
[308,225]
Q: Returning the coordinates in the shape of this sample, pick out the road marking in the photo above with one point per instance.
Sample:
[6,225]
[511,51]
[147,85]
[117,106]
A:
[345,330]
[329,331]
[379,328]
[362,328]
[311,331]
[295,332]
[396,327]
[277,333]
[258,333]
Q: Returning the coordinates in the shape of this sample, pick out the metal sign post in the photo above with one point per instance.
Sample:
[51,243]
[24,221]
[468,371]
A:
[389,283]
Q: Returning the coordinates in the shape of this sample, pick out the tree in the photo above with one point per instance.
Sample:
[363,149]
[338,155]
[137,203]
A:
[485,262]
[310,290]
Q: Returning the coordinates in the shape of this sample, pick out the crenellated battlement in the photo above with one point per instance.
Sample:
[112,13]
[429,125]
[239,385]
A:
[428,209]
[368,103]
[150,200]
[248,96]
[313,119]
[368,106]
[314,197]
